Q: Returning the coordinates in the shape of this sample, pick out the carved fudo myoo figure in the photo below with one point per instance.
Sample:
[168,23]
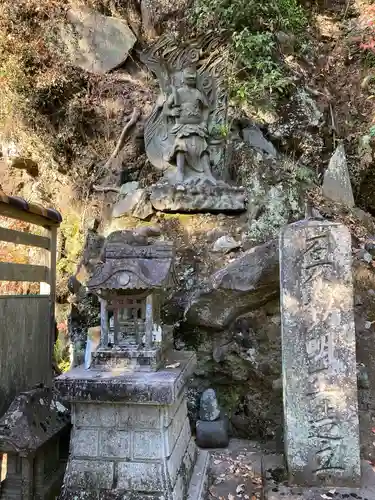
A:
[183,134]
[191,110]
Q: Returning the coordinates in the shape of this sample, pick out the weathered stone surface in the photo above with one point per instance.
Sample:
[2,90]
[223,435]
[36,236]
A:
[85,443]
[135,203]
[129,187]
[212,434]
[242,286]
[89,474]
[225,244]
[297,124]
[157,459]
[275,488]
[33,418]
[255,139]
[336,184]
[209,408]
[319,360]
[94,42]
[202,197]
[114,443]
[370,246]
[146,477]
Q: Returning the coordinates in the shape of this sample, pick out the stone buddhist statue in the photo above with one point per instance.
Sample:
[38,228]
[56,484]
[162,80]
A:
[190,108]
[182,134]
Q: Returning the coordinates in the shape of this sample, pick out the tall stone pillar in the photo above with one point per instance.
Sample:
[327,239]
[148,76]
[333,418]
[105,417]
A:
[319,355]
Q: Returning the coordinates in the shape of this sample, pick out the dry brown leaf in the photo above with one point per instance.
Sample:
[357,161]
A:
[174,365]
[240,488]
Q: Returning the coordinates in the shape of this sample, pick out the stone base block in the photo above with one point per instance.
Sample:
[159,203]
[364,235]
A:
[212,434]
[127,358]
[137,447]
[201,197]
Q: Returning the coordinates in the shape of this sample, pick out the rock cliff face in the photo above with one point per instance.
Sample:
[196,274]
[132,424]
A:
[69,139]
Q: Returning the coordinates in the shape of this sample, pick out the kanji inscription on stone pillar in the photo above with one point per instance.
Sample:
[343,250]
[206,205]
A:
[319,355]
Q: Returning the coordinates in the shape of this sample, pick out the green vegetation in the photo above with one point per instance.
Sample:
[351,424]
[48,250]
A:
[61,356]
[73,238]
[258,72]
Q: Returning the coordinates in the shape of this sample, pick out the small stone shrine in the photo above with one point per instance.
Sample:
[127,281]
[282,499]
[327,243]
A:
[33,433]
[130,283]
[185,135]
[131,436]
[319,355]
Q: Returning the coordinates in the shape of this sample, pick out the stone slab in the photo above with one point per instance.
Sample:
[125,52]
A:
[203,197]
[199,480]
[336,183]
[273,467]
[162,387]
[318,355]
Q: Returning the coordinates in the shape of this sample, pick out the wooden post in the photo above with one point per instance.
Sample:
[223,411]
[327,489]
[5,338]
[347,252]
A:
[52,283]
[27,478]
[134,311]
[149,322]
[116,324]
[103,323]
[49,287]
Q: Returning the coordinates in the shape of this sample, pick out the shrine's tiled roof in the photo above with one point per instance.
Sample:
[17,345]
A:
[139,274]
[134,262]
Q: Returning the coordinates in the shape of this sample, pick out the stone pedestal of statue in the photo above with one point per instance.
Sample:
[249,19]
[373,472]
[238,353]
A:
[198,196]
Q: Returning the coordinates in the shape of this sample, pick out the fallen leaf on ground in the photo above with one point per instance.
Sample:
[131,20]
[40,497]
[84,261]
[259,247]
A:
[174,365]
[240,488]
[219,480]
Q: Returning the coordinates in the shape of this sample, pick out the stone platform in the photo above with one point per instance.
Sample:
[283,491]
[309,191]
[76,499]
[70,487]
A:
[276,488]
[201,197]
[131,437]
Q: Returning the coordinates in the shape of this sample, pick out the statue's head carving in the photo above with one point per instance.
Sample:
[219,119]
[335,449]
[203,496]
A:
[189,76]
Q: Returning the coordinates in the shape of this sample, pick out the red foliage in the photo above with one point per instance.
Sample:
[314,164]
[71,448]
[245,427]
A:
[368,37]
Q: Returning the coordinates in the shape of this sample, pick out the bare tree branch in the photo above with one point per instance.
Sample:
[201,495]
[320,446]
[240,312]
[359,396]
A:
[120,142]
[106,189]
